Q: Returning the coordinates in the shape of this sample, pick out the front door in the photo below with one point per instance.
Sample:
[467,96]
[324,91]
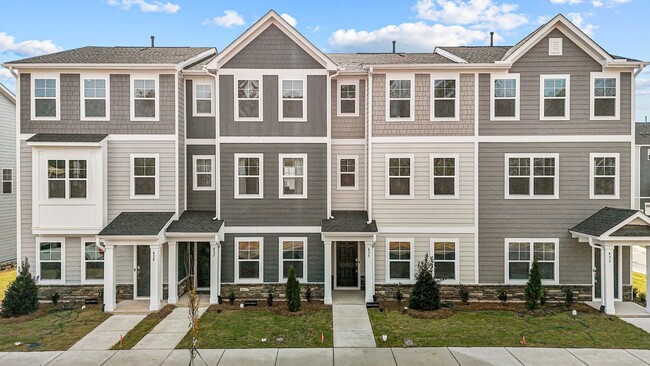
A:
[143,271]
[202,266]
[347,263]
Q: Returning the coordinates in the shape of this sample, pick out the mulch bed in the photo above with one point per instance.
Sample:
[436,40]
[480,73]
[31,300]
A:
[279,307]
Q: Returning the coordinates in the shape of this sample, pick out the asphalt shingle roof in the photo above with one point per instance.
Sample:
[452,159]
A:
[195,222]
[478,54]
[356,61]
[66,137]
[642,134]
[137,224]
[349,222]
[603,221]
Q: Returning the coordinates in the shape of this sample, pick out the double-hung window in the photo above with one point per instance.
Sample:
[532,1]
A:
[348,172]
[67,178]
[248,104]
[50,260]
[203,177]
[144,176]
[144,98]
[95,103]
[202,98]
[399,177]
[348,102]
[293,253]
[532,176]
[520,254]
[400,101]
[293,175]
[93,262]
[604,177]
[399,261]
[46,101]
[444,175]
[445,257]
[249,176]
[554,103]
[7,181]
[605,99]
[504,91]
[293,104]
[444,101]
[249,263]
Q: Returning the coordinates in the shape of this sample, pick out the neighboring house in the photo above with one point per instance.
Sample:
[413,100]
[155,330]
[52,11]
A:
[147,170]
[8,189]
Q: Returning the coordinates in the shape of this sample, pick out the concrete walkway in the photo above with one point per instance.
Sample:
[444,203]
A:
[457,356]
[350,320]
[108,333]
[169,332]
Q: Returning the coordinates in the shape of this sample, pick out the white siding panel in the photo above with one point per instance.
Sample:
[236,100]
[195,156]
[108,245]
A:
[72,260]
[8,161]
[124,264]
[348,199]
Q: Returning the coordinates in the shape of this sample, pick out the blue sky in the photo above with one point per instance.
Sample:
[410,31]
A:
[33,27]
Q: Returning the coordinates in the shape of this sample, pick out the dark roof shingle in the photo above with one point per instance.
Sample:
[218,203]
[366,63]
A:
[603,221]
[66,137]
[356,61]
[642,134]
[349,222]
[137,224]
[195,222]
[478,54]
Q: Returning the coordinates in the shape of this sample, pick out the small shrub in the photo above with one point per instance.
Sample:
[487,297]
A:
[503,296]
[22,295]
[269,297]
[568,296]
[55,298]
[543,298]
[308,294]
[635,292]
[231,297]
[533,291]
[426,292]
[463,293]
[399,295]
[293,291]
[642,297]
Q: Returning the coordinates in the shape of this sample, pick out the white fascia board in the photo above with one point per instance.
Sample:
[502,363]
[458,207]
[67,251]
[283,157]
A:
[196,58]
[483,67]
[65,231]
[639,215]
[349,237]
[66,144]
[25,67]
[271,229]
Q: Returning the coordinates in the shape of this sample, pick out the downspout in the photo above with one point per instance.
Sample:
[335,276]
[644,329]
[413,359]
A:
[329,144]
[217,150]
[369,149]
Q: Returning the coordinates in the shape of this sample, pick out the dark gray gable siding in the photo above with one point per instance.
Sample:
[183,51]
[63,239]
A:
[197,127]
[644,174]
[199,200]
[574,62]
[272,49]
[315,256]
[316,124]
[271,210]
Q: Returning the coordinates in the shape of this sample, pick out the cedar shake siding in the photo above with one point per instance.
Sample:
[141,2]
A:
[349,127]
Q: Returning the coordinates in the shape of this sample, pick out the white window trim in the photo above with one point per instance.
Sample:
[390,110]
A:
[432,195]
[400,76]
[250,76]
[83,262]
[567,98]
[195,173]
[339,84]
[154,77]
[107,79]
[411,177]
[281,117]
[617,103]
[40,240]
[339,187]
[67,179]
[2,181]
[456,242]
[56,77]
[261,176]
[494,77]
[531,195]
[532,241]
[281,240]
[411,280]
[281,176]
[195,83]
[260,261]
[456,78]
[617,178]
[132,176]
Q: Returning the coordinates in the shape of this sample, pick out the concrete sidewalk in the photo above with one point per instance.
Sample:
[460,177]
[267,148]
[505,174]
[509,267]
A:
[108,333]
[458,356]
[169,332]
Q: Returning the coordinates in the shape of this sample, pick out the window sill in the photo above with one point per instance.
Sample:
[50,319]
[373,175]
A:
[291,197]
[347,114]
[92,282]
[557,119]
[145,119]
[504,119]
[455,119]
[57,118]
[347,188]
[604,197]
[399,197]
[248,120]
[523,282]
[446,197]
[247,282]
[203,114]
[245,197]
[51,282]
[400,282]
[138,197]
[409,119]
[98,119]
[531,197]
[203,189]
[596,118]
[291,120]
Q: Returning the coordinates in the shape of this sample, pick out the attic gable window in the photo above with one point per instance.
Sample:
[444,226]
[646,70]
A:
[45,97]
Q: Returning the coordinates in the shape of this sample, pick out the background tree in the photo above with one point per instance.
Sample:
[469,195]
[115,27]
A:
[22,295]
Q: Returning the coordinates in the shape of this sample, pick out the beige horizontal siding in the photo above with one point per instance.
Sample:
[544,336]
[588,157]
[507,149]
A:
[349,199]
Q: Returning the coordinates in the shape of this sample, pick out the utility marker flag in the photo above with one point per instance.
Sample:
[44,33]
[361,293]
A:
[322,338]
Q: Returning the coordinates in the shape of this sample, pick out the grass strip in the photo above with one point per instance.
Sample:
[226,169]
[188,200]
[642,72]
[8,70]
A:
[143,328]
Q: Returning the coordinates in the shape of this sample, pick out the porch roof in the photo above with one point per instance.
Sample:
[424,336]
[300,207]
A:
[349,222]
[603,221]
[67,137]
[196,222]
[137,224]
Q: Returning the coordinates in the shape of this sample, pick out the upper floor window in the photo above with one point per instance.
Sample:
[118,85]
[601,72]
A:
[45,98]
[249,176]
[144,104]
[67,182]
[532,176]
[400,101]
[554,104]
[203,172]
[400,260]
[444,176]
[202,99]
[348,172]
[248,103]
[522,252]
[399,177]
[95,100]
[504,97]
[144,176]
[445,106]
[605,100]
[293,175]
[293,104]
[348,101]
[604,176]
[7,181]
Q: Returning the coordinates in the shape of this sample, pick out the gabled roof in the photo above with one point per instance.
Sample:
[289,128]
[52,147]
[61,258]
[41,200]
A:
[7,93]
[348,222]
[67,137]
[603,221]
[196,222]
[137,224]
[271,18]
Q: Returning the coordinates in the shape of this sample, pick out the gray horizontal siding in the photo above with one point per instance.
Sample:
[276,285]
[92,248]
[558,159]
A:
[197,127]
[181,142]
[28,241]
[198,200]
[8,161]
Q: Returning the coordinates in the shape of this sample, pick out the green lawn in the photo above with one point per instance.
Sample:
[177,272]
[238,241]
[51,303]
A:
[476,328]
[143,328]
[6,277]
[234,328]
[638,281]
[49,329]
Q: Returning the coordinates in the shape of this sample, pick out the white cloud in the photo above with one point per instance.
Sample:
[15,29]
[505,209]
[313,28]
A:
[229,19]
[608,3]
[314,29]
[542,19]
[570,2]
[147,6]
[479,14]
[580,22]
[291,20]
[26,48]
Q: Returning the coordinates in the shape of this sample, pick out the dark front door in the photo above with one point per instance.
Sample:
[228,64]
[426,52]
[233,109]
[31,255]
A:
[203,266]
[143,269]
[347,263]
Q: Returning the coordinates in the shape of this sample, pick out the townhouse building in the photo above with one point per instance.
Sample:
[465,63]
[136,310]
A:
[145,171]
[7,171]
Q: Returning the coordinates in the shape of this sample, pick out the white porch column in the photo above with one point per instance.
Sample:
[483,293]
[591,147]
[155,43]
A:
[154,277]
[214,272]
[647,273]
[369,252]
[328,273]
[608,279]
[109,277]
[172,272]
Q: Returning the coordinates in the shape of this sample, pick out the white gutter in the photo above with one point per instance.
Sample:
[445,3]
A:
[641,67]
[496,65]
[369,149]
[91,66]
